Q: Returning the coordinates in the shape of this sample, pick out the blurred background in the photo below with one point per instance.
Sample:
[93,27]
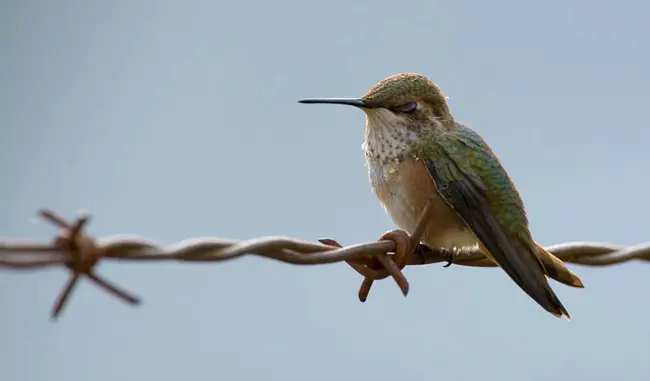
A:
[174,119]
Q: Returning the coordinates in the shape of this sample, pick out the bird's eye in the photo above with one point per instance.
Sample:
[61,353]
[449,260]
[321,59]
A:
[409,107]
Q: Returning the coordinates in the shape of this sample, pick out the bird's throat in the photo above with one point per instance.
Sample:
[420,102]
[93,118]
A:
[388,142]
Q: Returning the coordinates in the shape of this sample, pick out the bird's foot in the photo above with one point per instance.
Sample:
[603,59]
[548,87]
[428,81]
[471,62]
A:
[451,259]
[425,254]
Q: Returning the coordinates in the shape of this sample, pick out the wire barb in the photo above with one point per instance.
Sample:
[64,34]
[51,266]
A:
[83,255]
[80,253]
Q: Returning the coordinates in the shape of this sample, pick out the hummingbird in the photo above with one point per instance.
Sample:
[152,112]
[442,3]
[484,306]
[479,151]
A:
[417,152]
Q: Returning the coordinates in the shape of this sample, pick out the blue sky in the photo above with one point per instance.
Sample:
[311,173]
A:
[178,119]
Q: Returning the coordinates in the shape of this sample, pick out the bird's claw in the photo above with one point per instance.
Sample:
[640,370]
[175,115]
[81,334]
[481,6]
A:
[450,261]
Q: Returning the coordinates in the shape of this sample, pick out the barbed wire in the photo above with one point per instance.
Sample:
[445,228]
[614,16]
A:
[80,253]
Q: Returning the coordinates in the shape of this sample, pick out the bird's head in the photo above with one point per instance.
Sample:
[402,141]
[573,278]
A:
[399,109]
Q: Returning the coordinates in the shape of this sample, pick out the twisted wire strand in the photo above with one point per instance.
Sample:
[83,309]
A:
[73,249]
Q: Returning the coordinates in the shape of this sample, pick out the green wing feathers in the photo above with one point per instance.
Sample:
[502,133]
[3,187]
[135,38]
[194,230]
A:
[473,182]
[475,156]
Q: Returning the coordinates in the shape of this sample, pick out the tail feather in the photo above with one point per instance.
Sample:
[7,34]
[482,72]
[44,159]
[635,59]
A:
[557,270]
[545,295]
[530,276]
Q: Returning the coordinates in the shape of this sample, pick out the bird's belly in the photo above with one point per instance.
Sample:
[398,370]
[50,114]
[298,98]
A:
[404,189]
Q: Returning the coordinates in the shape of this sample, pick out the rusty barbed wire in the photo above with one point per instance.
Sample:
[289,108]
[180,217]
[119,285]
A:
[80,253]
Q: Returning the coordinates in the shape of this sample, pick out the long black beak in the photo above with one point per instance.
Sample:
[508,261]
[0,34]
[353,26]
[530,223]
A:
[356,102]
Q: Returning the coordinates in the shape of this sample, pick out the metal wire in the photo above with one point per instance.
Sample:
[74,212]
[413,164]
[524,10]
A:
[80,253]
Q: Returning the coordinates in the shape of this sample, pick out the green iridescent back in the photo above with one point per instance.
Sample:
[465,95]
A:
[463,152]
